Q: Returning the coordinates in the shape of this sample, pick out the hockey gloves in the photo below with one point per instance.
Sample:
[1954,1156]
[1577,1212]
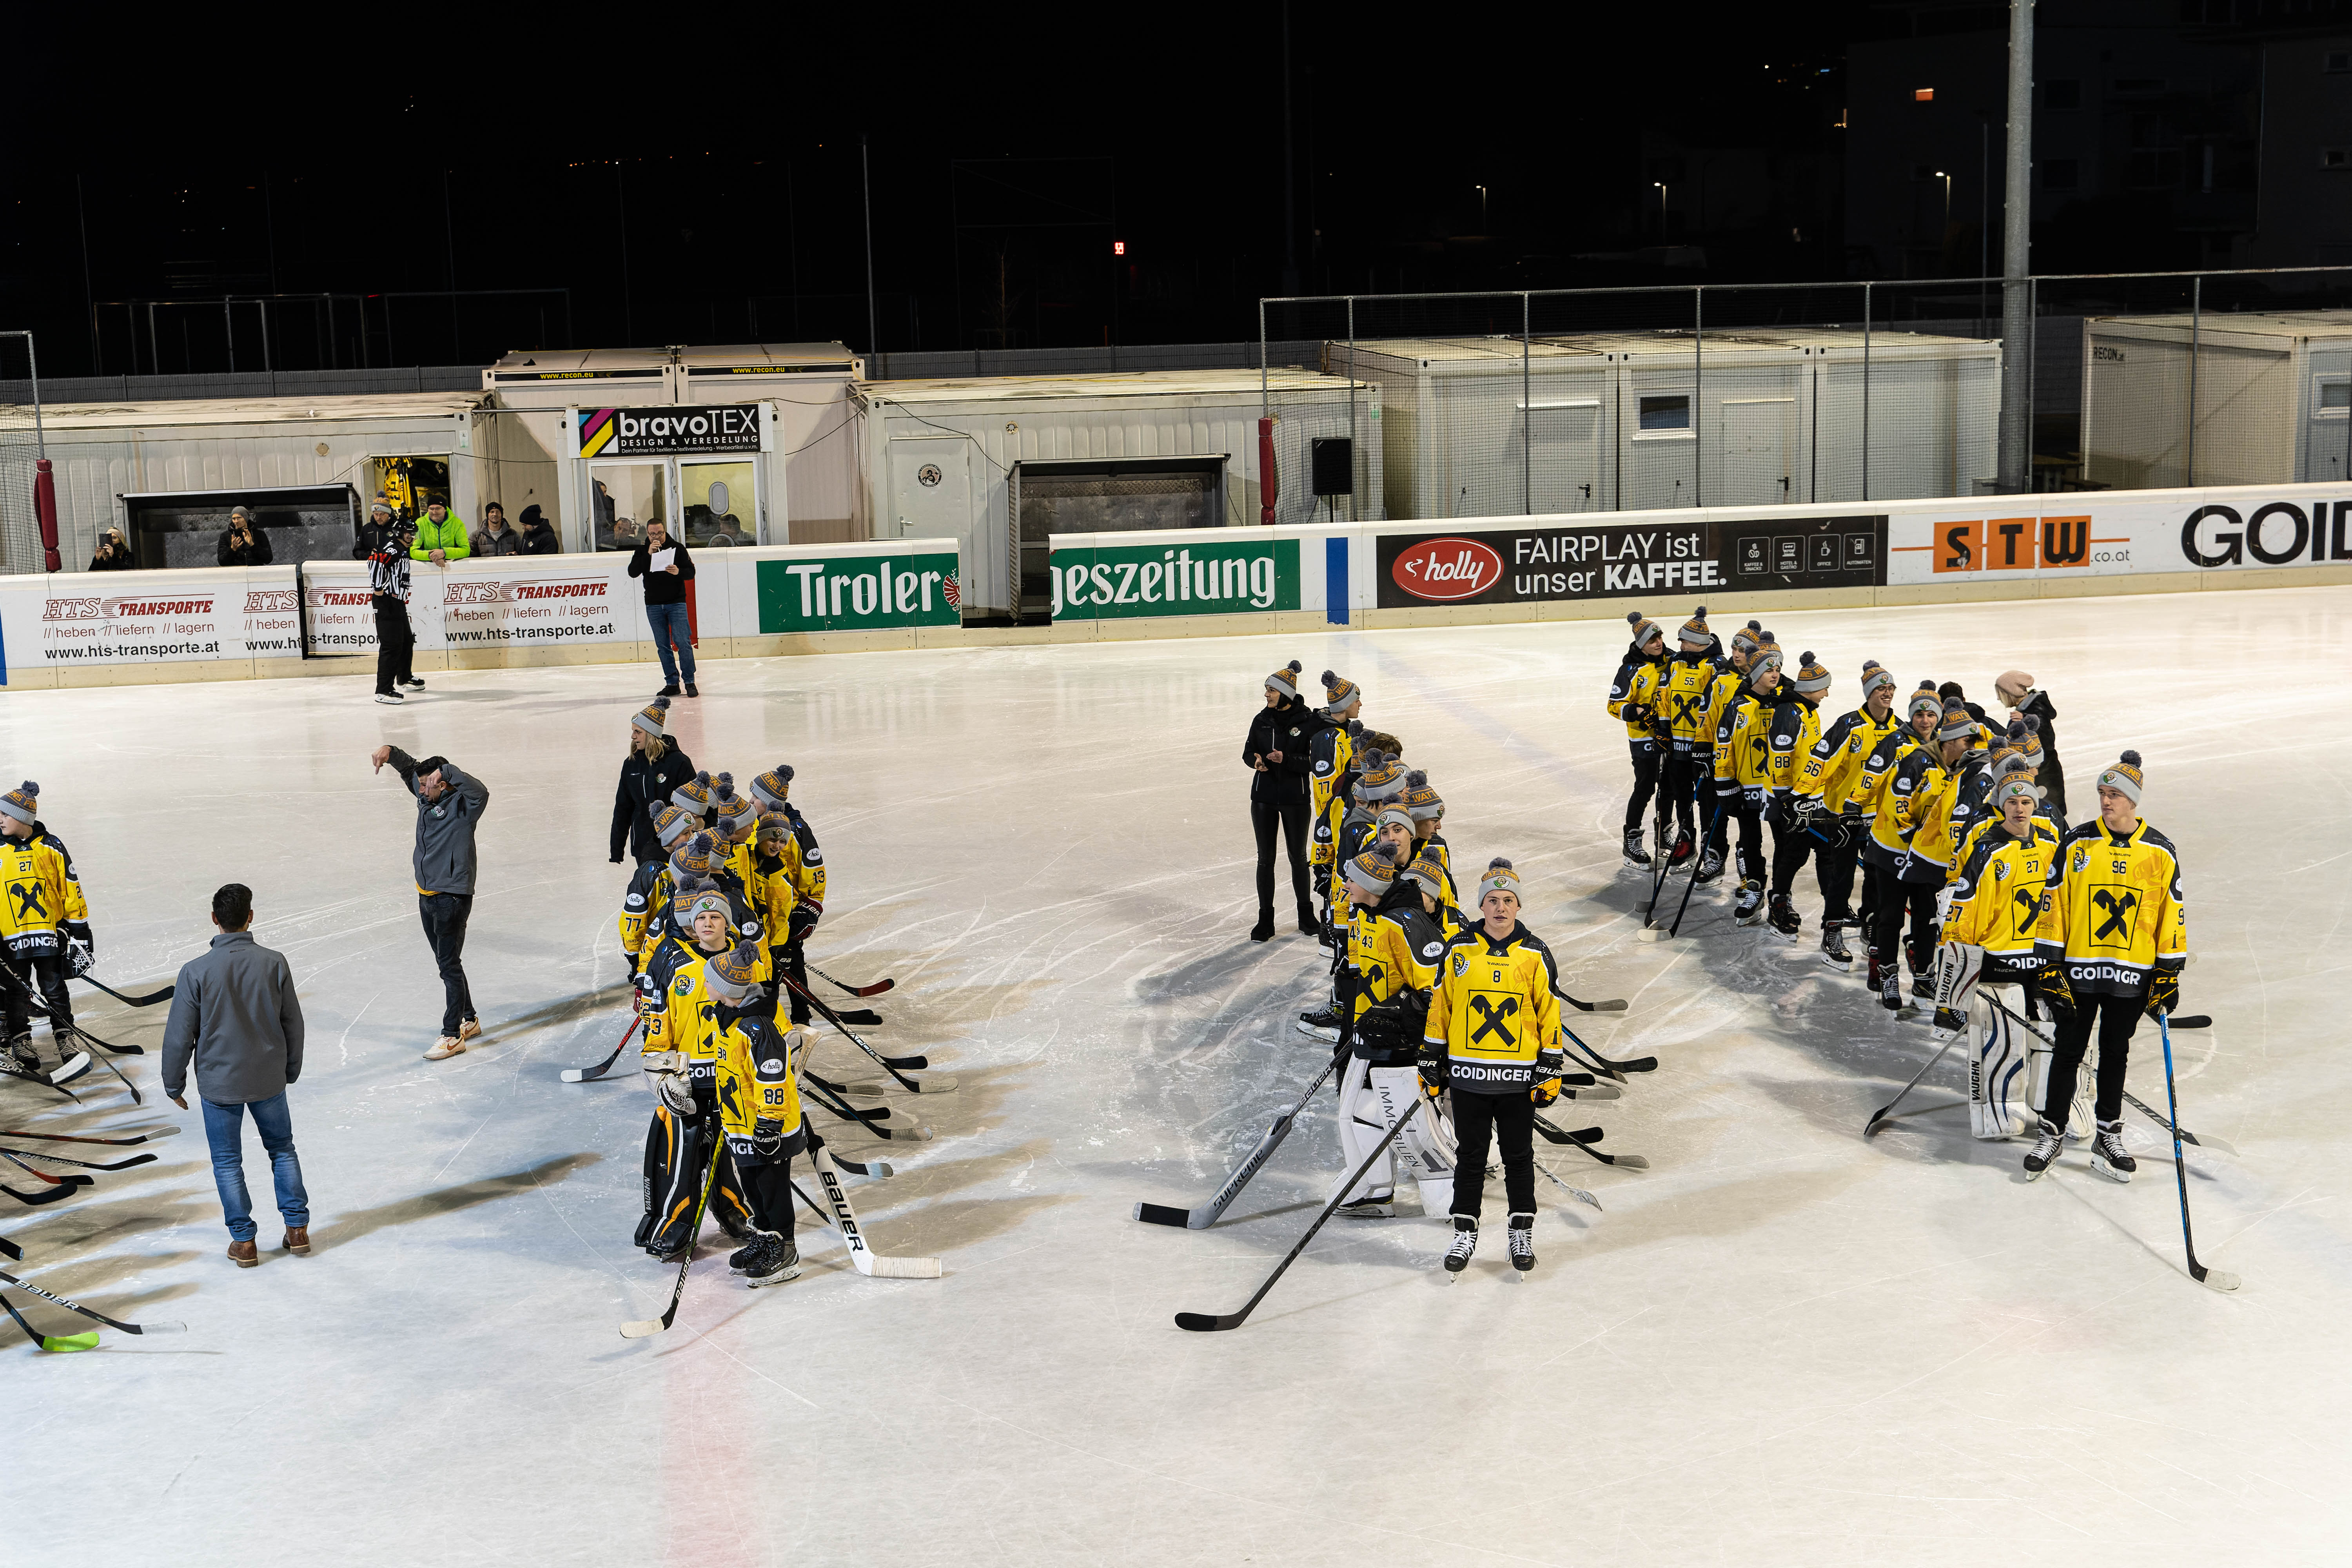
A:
[767,1136]
[801,922]
[1637,713]
[1431,1063]
[2059,993]
[80,958]
[667,1071]
[2164,991]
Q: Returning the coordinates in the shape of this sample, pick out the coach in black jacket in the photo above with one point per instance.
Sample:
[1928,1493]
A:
[655,767]
[1276,750]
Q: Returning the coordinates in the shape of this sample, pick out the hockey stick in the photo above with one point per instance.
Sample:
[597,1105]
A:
[1614,1005]
[584,1075]
[845,1220]
[1883,1111]
[1204,1322]
[8,1279]
[136,1098]
[69,1342]
[1649,931]
[1205,1215]
[875,1119]
[1590,1091]
[828,1096]
[646,1328]
[875,989]
[1584,1140]
[864,1017]
[83,1034]
[1615,1069]
[82,1164]
[2218,1279]
[10,1070]
[873,1170]
[912,1086]
[34,1200]
[10,1156]
[147,1001]
[2202,1141]
[168,1129]
[1579,1194]
[10,1247]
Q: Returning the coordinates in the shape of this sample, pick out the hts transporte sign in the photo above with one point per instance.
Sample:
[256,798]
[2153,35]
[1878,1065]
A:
[1213,577]
[1549,564]
[859,593]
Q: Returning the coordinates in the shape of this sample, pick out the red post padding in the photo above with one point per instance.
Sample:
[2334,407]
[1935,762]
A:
[1267,480]
[45,507]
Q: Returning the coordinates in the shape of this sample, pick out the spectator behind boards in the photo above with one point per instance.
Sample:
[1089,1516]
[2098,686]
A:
[372,536]
[244,544]
[667,568]
[538,538]
[112,553]
[440,537]
[496,538]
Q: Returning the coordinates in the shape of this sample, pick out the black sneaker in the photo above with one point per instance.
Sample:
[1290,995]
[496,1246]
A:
[1465,1242]
[670,690]
[691,690]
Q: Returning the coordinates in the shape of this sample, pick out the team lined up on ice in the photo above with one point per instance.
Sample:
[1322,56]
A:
[1951,825]
[728,887]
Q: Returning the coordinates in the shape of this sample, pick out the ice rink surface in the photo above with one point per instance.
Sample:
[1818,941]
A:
[1780,1343]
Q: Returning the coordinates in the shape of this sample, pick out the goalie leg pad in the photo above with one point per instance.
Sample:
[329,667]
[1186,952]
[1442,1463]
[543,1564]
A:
[1996,1071]
[1420,1152]
[1361,1125]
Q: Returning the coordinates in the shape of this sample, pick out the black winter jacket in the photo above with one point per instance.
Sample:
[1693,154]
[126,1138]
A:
[1289,729]
[2052,777]
[661,588]
[643,787]
[256,553]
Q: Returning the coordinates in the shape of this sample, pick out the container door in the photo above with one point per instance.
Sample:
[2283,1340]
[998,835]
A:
[1757,442]
[718,503]
[931,490]
[1568,444]
[2327,456]
[624,498]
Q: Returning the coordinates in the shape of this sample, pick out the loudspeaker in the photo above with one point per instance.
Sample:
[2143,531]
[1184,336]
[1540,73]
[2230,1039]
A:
[1334,465]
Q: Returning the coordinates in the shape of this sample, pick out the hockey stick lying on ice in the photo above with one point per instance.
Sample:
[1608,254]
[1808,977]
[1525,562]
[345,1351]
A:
[53,1195]
[1205,1322]
[646,1328]
[169,1130]
[872,1169]
[81,1164]
[83,1034]
[873,1119]
[1599,1063]
[1614,1003]
[940,1084]
[875,989]
[1579,1194]
[585,1075]
[2197,1021]
[1878,1117]
[10,1156]
[64,1075]
[10,1247]
[1206,1214]
[60,1346]
[864,1018]
[1584,1139]
[147,1001]
[8,1279]
[2218,1279]
[136,1098]
[845,1221]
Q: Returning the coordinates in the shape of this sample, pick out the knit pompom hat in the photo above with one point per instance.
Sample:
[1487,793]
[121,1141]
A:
[1767,656]
[670,824]
[1499,878]
[1958,723]
[693,795]
[1694,633]
[733,976]
[2016,783]
[1643,629]
[1812,678]
[2009,754]
[654,720]
[2124,774]
[775,822]
[22,803]
[1426,871]
[1420,799]
[2032,722]
[1925,701]
[1383,783]
[696,895]
[1371,872]
[1337,692]
[1745,640]
[737,817]
[1874,676]
[1394,811]
[692,858]
[1285,680]
[770,787]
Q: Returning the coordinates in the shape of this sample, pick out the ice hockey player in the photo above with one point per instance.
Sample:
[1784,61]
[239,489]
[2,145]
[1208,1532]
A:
[1683,683]
[1491,1039]
[790,876]
[1822,806]
[1743,771]
[679,1057]
[1795,730]
[755,1079]
[734,822]
[1330,762]
[1633,697]
[645,907]
[1927,863]
[1988,936]
[1887,793]
[45,923]
[1428,816]
[1391,963]
[1438,901]
[1391,839]
[2115,943]
[1722,693]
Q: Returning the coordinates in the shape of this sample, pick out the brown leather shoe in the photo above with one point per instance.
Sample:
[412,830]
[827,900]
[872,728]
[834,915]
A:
[298,1240]
[244,1254]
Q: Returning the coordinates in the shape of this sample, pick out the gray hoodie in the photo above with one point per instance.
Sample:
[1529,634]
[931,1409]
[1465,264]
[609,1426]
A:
[235,1012]
[444,827]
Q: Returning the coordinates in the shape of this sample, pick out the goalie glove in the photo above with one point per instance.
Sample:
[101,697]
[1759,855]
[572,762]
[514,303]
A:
[667,1069]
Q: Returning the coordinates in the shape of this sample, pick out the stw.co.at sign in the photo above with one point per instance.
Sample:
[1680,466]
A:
[676,431]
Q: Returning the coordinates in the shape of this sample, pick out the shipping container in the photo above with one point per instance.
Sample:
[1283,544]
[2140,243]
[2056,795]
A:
[2272,392]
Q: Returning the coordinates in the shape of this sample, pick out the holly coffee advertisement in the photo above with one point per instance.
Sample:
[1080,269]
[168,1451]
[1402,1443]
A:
[1554,561]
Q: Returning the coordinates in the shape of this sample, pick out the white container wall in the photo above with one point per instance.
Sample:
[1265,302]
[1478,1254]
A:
[2271,394]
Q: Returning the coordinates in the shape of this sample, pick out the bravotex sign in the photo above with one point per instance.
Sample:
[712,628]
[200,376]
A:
[669,432]
[859,593]
[1215,576]
[1556,562]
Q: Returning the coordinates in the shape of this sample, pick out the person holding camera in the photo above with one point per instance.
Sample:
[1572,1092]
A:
[112,553]
[244,544]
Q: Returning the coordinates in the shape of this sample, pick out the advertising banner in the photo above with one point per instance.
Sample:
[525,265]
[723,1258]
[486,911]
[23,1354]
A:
[670,431]
[150,618]
[1557,561]
[860,591]
[1213,576]
[2254,529]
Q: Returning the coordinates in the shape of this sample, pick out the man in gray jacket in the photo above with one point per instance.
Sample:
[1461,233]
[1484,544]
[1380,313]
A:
[234,1012]
[449,804]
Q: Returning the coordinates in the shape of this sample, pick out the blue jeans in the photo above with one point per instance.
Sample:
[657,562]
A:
[224,1131]
[669,624]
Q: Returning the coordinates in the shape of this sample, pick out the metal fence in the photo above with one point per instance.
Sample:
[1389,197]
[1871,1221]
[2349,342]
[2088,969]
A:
[1762,394]
[20,533]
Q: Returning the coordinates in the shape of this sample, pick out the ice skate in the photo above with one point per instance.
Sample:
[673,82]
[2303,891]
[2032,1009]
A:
[1634,854]
[1784,917]
[2047,1142]
[2107,1156]
[1523,1242]
[1749,910]
[1834,948]
[1465,1242]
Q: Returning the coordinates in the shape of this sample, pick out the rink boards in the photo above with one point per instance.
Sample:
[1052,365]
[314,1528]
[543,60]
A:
[119,628]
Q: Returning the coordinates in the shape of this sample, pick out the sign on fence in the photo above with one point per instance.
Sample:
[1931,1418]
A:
[1556,562]
[859,593]
[1214,576]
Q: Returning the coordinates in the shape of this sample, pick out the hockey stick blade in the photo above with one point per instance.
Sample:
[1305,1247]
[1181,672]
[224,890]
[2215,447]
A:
[875,989]
[70,1071]
[587,1075]
[10,1070]
[2194,1021]
[845,1222]
[47,1195]
[1614,1005]
[1206,1214]
[169,1130]
[85,1164]
[1160,1213]
[95,1317]
[10,1156]
[872,1169]
[80,1033]
[147,1001]
[57,1344]
[1584,1141]
[10,1249]
[1596,1091]
[2199,1141]
[646,1327]
[864,1017]
[1579,1194]
[1880,1115]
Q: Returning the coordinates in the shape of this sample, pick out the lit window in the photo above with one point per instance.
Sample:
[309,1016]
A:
[1923,95]
[1666,411]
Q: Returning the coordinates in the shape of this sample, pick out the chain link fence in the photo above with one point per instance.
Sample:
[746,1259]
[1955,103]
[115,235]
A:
[20,531]
[1769,395]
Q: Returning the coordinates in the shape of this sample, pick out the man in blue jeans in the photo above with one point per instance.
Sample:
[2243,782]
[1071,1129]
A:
[667,568]
[234,1012]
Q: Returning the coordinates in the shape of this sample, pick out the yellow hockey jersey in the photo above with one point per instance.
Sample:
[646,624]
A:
[1830,769]
[1722,693]
[756,1078]
[1331,756]
[1636,686]
[1791,734]
[1392,947]
[2000,896]
[1682,688]
[1494,1006]
[2116,909]
[44,896]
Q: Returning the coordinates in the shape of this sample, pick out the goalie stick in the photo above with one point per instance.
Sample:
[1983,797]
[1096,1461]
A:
[845,1221]
[164,1328]
[1207,1322]
[2195,1021]
[646,1328]
[1878,1117]
[585,1075]
[941,1084]
[81,1164]
[60,1346]
[1206,1215]
[169,1130]
[875,989]
[147,1001]
[1584,1139]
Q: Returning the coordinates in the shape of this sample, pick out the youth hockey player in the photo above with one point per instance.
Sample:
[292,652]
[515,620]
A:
[1927,862]
[1722,692]
[2115,943]
[45,923]
[1391,963]
[1887,794]
[1438,899]
[1824,784]
[1742,771]
[679,1057]
[1684,682]
[791,875]
[772,792]
[756,1085]
[1492,1037]
[1633,697]
[643,908]
[1996,917]
[1795,730]
[1330,760]
[1428,816]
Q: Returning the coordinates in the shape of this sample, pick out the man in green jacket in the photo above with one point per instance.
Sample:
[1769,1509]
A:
[440,537]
